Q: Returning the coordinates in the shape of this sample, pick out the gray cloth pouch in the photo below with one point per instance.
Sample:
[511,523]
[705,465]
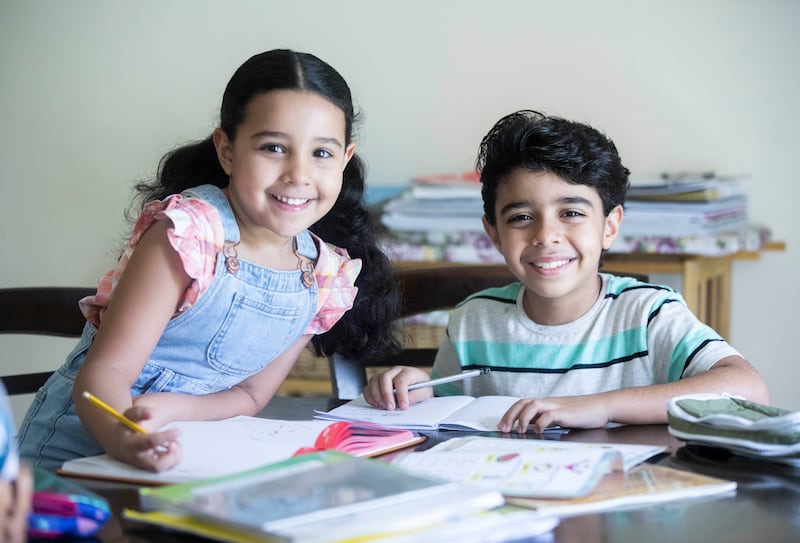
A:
[736,424]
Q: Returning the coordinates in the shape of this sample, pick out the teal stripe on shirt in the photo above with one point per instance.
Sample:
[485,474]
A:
[623,347]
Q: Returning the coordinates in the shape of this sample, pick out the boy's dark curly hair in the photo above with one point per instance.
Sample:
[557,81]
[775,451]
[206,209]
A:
[573,151]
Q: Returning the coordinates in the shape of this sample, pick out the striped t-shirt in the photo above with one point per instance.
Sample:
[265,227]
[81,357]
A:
[636,334]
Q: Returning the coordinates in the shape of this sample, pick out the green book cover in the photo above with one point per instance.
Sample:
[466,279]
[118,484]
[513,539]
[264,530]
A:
[324,489]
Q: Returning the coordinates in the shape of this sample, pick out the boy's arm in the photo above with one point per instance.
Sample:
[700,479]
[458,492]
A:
[635,405]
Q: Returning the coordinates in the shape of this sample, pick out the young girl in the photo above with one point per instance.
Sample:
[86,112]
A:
[226,277]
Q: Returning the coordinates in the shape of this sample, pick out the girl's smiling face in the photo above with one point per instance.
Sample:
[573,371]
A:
[552,234]
[285,162]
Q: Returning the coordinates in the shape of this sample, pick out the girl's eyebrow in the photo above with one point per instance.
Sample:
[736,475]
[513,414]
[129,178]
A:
[283,135]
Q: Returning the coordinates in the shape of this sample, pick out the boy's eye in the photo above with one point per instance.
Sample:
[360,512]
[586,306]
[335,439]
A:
[521,217]
[573,213]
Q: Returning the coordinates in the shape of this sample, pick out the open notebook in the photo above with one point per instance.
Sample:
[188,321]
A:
[440,413]
[215,448]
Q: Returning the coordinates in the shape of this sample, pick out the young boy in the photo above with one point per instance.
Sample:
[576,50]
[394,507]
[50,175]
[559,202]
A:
[582,348]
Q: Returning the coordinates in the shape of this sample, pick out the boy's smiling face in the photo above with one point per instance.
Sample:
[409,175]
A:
[552,234]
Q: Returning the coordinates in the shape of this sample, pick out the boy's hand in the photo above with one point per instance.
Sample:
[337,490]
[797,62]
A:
[389,390]
[569,411]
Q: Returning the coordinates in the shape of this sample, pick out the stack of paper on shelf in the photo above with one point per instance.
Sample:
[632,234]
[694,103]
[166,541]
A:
[446,203]
[215,448]
[684,206]
[743,427]
[325,497]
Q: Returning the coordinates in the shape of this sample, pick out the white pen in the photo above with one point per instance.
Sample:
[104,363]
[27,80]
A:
[450,379]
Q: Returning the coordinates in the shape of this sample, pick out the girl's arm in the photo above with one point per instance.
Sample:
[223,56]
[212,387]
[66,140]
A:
[247,398]
[144,301]
[635,405]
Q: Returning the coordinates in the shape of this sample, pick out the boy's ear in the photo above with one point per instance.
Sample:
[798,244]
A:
[611,229]
[491,231]
[224,147]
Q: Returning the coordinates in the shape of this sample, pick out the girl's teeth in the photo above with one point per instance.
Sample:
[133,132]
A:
[291,201]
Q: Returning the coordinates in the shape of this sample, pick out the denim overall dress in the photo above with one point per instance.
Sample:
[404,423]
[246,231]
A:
[242,322]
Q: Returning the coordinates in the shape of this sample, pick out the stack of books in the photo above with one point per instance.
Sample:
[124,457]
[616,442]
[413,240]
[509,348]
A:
[449,202]
[672,211]
[438,218]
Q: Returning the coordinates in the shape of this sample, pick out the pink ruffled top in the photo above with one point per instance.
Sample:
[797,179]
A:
[197,236]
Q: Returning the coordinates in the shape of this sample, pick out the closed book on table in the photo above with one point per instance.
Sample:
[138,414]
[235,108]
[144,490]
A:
[328,493]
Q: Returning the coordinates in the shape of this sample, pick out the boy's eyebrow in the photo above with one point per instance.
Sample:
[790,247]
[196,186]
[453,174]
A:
[276,134]
[579,200]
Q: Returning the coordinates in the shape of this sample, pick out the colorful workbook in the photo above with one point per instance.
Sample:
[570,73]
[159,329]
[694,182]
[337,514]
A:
[214,448]
[439,413]
[324,496]
[645,484]
[539,468]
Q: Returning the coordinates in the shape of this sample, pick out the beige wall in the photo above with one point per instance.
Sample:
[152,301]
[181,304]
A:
[93,92]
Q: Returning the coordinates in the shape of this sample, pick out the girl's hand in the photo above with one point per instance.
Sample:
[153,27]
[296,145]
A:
[389,389]
[154,451]
[159,408]
[15,503]
[587,411]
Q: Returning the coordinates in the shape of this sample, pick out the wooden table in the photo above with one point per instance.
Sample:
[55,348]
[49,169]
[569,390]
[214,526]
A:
[765,508]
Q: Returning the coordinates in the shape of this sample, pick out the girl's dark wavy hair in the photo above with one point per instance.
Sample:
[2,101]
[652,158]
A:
[367,331]
[573,151]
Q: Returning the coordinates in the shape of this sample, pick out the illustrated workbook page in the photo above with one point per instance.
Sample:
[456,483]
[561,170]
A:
[543,468]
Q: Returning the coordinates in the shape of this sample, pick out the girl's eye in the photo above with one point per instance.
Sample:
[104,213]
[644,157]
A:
[273,148]
[323,153]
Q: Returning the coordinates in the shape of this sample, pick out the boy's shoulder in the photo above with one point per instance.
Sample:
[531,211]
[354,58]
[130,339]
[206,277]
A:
[616,285]
[502,295]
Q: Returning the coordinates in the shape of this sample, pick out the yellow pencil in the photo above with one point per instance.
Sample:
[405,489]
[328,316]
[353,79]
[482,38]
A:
[114,413]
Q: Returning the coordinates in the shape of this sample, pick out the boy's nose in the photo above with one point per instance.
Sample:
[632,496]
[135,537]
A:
[546,233]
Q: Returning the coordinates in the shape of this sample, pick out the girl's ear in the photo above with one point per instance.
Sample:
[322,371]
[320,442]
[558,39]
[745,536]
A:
[611,229]
[348,154]
[224,147]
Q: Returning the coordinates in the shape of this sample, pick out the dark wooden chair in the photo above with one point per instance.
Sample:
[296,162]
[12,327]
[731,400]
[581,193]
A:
[424,289]
[50,311]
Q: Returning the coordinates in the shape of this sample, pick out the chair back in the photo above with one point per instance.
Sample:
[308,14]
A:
[424,289]
[51,311]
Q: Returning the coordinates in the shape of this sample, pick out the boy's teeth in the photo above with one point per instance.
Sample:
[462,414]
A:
[551,265]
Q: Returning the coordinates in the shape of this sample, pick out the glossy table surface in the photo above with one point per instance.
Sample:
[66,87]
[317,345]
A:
[765,508]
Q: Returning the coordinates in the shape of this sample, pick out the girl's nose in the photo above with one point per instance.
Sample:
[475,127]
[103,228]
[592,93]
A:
[298,171]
